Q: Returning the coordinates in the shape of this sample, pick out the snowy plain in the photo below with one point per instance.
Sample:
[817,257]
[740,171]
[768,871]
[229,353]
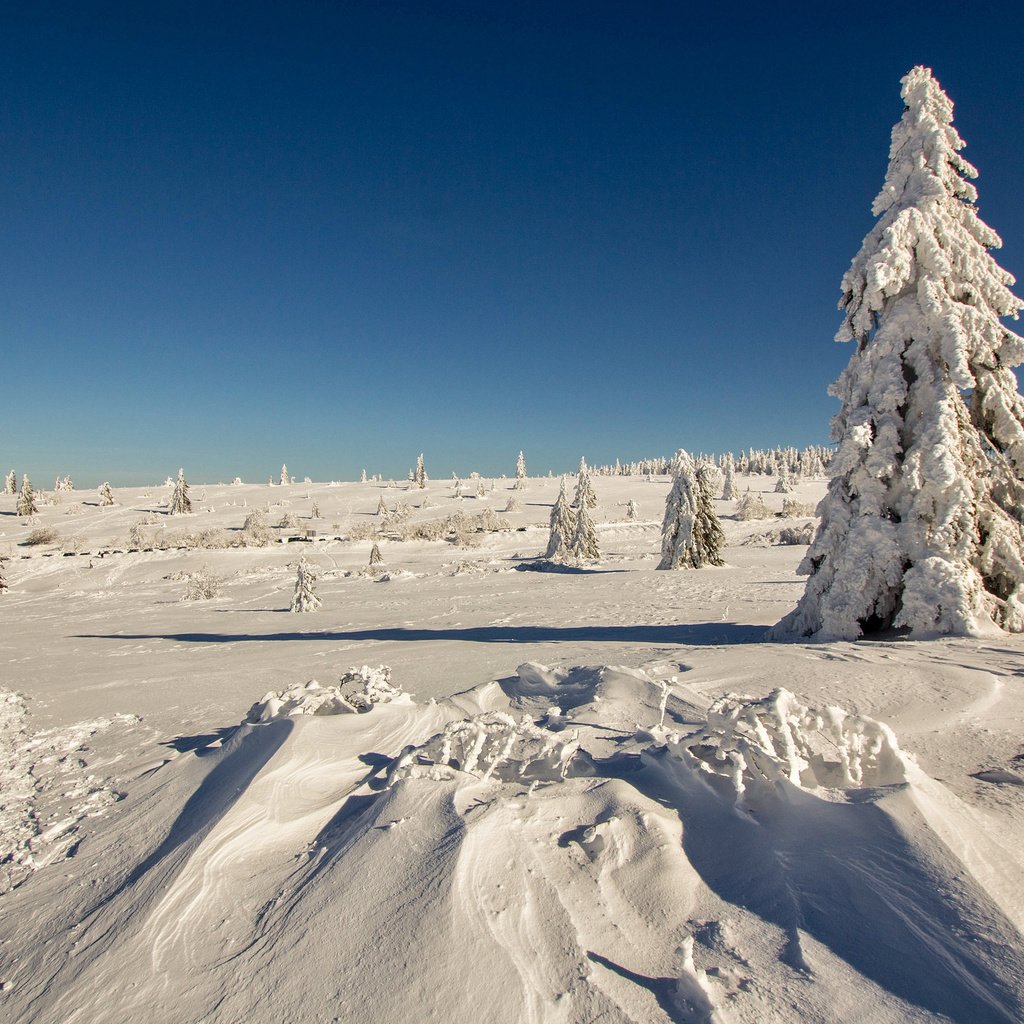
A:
[560,814]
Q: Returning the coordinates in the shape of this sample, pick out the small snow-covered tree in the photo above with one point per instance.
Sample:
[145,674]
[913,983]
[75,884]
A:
[921,524]
[584,547]
[181,503]
[729,483]
[520,472]
[304,598]
[382,508]
[362,477]
[106,495]
[421,472]
[4,585]
[784,485]
[11,483]
[584,487]
[563,524]
[632,510]
[285,478]
[691,535]
[26,499]
[376,558]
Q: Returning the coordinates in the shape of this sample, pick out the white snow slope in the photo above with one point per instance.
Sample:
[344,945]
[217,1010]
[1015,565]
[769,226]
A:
[572,796]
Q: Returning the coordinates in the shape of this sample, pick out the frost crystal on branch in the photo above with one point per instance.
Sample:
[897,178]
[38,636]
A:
[921,525]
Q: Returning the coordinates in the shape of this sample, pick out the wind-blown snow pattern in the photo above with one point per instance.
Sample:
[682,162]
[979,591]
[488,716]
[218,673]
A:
[921,526]
[567,845]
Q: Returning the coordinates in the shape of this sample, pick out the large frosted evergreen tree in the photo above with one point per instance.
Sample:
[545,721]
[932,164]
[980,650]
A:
[921,525]
[691,534]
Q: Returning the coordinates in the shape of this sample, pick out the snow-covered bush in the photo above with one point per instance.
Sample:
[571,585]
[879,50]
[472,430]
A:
[106,495]
[752,506]
[41,535]
[796,509]
[255,532]
[202,585]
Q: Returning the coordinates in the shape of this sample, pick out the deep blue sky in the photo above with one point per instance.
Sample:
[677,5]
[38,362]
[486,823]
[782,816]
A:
[339,234]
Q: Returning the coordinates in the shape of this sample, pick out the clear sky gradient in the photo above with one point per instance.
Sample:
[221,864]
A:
[339,234]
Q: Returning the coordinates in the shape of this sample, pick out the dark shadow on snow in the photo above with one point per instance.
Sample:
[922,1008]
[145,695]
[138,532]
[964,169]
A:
[698,634]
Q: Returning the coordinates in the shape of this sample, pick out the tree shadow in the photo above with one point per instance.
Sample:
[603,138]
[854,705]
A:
[697,635]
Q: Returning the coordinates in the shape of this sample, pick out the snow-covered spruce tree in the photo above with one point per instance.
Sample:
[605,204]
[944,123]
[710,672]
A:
[314,512]
[421,472]
[106,495]
[583,546]
[26,499]
[632,510]
[691,535]
[784,485]
[520,472]
[304,599]
[285,478]
[362,476]
[921,523]
[376,558]
[584,487]
[729,484]
[563,524]
[181,503]
[11,483]
[382,508]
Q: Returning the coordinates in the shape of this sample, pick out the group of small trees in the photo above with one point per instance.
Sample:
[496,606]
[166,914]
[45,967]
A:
[573,534]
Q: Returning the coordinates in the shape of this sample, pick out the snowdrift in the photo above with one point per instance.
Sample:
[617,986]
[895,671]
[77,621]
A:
[565,845]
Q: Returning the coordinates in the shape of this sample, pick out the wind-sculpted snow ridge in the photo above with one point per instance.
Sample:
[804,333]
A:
[558,847]
[494,744]
[46,790]
[357,692]
[754,742]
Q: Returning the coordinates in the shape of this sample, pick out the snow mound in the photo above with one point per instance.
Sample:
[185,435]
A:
[759,742]
[358,690]
[491,745]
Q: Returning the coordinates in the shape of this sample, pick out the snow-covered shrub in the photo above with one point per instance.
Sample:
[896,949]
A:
[255,532]
[73,543]
[796,509]
[202,585]
[752,506]
[289,521]
[802,534]
[41,535]
[106,495]
[513,504]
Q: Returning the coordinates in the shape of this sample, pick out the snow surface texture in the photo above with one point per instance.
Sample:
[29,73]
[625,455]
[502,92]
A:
[571,845]
[556,843]
[46,790]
